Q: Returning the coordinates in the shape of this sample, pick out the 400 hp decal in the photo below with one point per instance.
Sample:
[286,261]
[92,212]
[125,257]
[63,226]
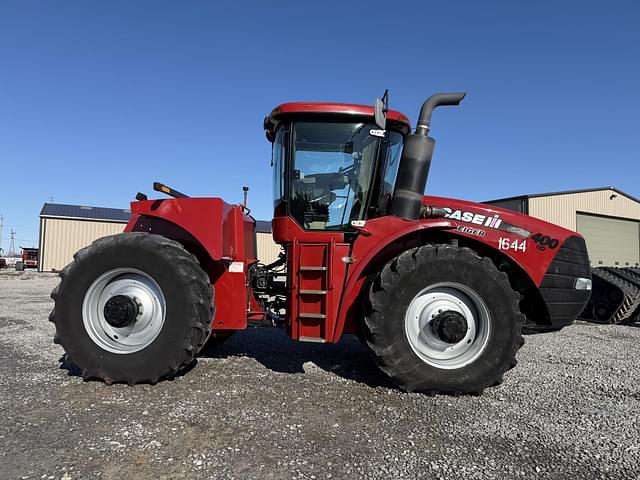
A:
[544,241]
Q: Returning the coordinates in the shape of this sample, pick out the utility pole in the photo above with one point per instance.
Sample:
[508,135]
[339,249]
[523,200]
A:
[12,247]
[1,225]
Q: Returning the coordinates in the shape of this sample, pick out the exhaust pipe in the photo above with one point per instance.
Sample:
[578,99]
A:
[416,159]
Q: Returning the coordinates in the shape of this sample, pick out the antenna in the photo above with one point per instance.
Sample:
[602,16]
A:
[385,101]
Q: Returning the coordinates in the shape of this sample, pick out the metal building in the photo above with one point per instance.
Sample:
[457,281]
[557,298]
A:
[65,229]
[268,250]
[608,218]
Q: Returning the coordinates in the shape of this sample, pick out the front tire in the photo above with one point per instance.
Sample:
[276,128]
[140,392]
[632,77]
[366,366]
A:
[442,319]
[132,307]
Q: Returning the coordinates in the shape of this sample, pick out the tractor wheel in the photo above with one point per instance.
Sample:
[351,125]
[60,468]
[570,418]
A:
[441,319]
[132,307]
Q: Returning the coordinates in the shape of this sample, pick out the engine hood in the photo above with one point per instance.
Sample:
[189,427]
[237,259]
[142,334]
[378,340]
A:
[530,242]
[490,217]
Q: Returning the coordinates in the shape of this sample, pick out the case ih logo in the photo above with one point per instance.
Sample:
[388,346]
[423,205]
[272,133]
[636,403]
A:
[475,218]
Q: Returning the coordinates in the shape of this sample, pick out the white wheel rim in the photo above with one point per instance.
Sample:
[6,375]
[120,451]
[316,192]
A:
[442,297]
[139,287]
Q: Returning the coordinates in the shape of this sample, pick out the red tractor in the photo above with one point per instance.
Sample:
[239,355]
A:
[439,290]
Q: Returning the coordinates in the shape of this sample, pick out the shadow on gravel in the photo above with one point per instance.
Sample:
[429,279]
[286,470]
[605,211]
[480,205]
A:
[70,367]
[74,371]
[277,352]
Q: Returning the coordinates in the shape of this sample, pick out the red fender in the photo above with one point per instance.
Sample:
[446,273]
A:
[217,225]
[376,236]
[220,235]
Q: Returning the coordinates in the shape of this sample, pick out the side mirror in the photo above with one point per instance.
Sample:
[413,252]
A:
[380,114]
[380,110]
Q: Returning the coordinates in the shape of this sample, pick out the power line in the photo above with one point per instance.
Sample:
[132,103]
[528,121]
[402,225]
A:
[12,247]
[30,227]
[25,241]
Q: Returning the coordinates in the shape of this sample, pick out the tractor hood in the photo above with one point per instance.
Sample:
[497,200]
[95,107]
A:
[529,241]
[484,216]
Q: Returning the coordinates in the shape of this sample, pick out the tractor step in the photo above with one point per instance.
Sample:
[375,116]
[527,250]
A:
[312,315]
[312,339]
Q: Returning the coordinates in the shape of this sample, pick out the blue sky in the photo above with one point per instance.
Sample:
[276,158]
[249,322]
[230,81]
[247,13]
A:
[99,99]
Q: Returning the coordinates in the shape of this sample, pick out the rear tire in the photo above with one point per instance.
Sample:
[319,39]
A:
[19,267]
[172,315]
[421,290]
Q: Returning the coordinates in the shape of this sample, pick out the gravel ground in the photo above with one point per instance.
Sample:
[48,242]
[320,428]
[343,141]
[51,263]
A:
[262,406]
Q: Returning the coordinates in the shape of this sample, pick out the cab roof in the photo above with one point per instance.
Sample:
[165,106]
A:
[325,110]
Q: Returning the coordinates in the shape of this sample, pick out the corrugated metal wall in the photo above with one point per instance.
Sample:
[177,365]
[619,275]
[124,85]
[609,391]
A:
[61,238]
[268,250]
[561,209]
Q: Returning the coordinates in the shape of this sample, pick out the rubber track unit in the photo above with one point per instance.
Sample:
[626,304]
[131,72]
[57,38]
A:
[632,275]
[616,296]
[196,288]
[381,293]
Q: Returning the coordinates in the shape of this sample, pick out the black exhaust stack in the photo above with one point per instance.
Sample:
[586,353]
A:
[416,159]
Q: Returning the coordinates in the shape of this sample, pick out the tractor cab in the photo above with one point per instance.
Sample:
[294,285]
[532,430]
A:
[332,163]
[338,169]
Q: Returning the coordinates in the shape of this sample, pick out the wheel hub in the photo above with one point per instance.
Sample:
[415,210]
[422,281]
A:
[450,326]
[123,310]
[120,311]
[447,325]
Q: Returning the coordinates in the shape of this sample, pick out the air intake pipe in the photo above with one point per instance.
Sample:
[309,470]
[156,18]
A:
[416,159]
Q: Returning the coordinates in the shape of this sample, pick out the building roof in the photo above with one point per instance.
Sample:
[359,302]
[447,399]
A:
[59,210]
[565,192]
[263,226]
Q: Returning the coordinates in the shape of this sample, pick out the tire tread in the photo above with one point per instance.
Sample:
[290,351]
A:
[389,357]
[200,296]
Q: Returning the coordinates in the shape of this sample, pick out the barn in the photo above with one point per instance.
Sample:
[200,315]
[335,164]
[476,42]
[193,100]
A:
[608,218]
